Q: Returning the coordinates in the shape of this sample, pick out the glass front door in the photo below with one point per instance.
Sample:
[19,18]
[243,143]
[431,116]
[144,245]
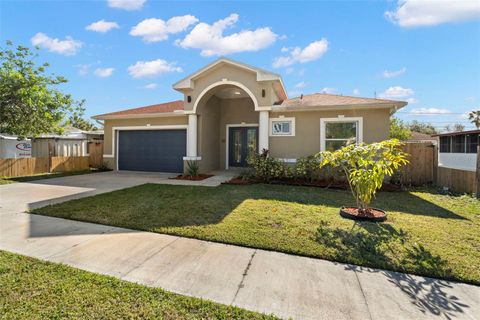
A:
[242,141]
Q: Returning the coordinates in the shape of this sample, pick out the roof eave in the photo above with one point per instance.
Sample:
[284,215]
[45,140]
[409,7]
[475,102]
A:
[392,106]
[139,115]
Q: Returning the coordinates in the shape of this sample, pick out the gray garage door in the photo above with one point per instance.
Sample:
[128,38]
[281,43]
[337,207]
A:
[151,150]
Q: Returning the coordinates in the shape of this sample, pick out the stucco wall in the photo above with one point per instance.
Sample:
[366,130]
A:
[232,73]
[307,137]
[208,135]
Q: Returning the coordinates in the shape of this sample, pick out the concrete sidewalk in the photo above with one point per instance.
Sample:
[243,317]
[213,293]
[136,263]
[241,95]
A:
[258,280]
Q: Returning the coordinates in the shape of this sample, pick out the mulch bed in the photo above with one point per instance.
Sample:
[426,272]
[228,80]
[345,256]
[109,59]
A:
[192,178]
[308,183]
[372,214]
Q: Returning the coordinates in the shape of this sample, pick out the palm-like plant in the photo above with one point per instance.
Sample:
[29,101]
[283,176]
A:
[474,117]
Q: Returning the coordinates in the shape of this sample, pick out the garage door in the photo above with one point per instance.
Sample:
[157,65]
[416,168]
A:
[151,150]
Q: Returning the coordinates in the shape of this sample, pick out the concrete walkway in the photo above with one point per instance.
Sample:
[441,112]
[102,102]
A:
[258,280]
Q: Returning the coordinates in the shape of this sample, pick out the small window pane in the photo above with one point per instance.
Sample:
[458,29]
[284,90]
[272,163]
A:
[340,130]
[458,144]
[281,127]
[445,144]
[473,141]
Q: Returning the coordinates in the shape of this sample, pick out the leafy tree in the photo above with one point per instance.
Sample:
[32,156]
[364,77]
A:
[474,118]
[76,120]
[30,101]
[422,127]
[399,130]
[457,127]
[365,167]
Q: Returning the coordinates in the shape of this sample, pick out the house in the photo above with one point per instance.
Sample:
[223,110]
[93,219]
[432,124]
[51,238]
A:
[458,150]
[72,143]
[422,137]
[230,109]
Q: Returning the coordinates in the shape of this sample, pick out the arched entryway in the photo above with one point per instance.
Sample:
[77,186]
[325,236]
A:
[227,126]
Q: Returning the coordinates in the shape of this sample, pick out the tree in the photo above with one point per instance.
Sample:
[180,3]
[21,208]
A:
[399,130]
[365,167]
[76,120]
[458,127]
[474,118]
[422,127]
[30,101]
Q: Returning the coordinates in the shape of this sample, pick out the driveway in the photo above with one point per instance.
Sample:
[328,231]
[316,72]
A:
[258,280]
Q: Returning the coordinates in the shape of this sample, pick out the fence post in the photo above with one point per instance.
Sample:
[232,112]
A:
[477,175]
[435,163]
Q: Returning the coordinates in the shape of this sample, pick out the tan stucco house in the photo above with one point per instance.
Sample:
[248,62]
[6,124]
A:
[230,109]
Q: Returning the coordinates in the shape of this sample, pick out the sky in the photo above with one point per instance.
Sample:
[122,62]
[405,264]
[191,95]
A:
[120,54]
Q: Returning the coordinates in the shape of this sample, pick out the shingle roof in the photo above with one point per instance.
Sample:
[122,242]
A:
[323,99]
[418,136]
[155,108]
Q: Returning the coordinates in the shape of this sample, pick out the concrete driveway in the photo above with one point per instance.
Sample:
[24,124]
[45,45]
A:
[258,280]
[19,197]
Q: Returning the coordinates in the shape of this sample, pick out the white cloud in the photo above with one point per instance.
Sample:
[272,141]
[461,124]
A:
[151,86]
[313,51]
[415,13]
[68,47]
[392,74]
[103,72]
[356,92]
[396,92]
[129,5]
[429,111]
[83,69]
[300,85]
[155,30]
[211,41]
[328,90]
[289,70]
[152,68]
[412,100]
[470,99]
[102,26]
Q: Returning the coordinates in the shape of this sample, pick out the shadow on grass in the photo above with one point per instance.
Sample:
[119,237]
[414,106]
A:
[372,244]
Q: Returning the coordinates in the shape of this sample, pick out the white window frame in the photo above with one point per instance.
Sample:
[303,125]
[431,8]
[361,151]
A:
[282,119]
[324,121]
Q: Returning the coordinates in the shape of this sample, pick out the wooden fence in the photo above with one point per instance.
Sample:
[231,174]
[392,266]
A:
[460,181]
[95,151]
[11,167]
[423,163]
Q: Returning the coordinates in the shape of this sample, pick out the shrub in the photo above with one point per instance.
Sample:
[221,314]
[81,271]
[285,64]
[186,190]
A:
[266,168]
[307,167]
[366,166]
[192,168]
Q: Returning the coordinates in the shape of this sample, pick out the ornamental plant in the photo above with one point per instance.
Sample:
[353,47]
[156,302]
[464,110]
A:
[266,168]
[366,166]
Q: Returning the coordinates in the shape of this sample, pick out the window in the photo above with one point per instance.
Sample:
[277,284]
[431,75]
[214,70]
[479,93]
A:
[338,132]
[445,143]
[282,126]
[473,140]
[458,144]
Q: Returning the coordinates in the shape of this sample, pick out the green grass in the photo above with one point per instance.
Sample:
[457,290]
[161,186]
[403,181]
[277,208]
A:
[426,233]
[40,176]
[33,289]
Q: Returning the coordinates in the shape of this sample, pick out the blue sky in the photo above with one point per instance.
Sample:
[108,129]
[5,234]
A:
[427,53]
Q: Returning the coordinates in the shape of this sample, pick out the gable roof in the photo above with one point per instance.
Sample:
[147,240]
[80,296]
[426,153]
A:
[262,75]
[313,101]
[162,109]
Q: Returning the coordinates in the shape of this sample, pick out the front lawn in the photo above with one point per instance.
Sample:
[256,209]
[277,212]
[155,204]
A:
[426,233]
[33,289]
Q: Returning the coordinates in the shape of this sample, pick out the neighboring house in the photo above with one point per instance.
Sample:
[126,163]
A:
[422,137]
[458,150]
[230,109]
[72,143]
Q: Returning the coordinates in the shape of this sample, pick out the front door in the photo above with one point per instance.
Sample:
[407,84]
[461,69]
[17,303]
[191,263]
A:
[242,141]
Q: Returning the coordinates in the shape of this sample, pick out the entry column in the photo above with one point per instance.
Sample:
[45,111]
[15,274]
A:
[263,130]
[192,136]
